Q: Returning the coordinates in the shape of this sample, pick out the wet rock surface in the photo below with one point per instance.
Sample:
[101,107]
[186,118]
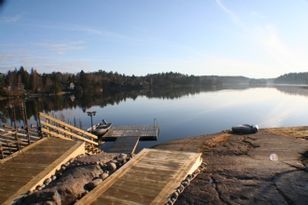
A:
[75,179]
[262,168]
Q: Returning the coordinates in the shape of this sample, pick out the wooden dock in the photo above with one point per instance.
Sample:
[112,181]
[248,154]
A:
[149,178]
[143,132]
[125,145]
[126,138]
[24,170]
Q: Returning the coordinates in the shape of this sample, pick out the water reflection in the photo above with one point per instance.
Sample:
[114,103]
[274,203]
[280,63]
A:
[57,103]
[180,111]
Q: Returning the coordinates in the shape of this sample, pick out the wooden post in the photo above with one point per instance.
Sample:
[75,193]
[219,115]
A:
[39,128]
[15,127]
[80,124]
[24,114]
[1,152]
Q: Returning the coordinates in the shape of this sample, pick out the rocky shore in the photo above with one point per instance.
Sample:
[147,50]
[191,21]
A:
[269,167]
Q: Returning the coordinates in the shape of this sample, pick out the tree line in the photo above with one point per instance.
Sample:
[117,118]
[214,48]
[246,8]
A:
[22,82]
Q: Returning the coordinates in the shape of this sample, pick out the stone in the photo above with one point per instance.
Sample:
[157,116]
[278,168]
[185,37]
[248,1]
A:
[97,181]
[104,175]
[50,203]
[91,185]
[111,166]
[47,181]
[181,188]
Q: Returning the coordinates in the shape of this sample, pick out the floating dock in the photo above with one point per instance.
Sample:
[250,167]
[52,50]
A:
[28,168]
[143,132]
[149,178]
[126,138]
[125,145]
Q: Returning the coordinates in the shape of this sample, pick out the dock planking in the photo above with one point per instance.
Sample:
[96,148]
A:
[125,145]
[144,132]
[149,178]
[26,169]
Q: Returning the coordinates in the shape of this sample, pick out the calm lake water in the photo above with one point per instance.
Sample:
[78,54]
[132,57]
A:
[181,113]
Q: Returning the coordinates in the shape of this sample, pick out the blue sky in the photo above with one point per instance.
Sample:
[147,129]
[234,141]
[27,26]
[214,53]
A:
[261,38]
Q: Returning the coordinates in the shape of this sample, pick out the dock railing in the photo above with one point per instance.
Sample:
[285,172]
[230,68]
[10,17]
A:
[13,140]
[51,126]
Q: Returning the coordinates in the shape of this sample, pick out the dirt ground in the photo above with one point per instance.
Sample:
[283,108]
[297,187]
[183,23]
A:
[269,167]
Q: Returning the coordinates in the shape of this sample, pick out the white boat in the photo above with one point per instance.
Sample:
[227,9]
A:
[100,128]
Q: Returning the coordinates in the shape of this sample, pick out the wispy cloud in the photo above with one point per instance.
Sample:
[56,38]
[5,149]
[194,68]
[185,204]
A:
[10,19]
[234,17]
[86,30]
[62,48]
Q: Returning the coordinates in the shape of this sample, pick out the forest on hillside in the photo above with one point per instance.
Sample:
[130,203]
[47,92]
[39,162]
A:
[20,82]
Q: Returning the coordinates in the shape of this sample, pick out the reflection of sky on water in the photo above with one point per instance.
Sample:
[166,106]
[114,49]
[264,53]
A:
[206,112]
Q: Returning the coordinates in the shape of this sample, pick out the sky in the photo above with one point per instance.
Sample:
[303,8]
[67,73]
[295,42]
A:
[260,38]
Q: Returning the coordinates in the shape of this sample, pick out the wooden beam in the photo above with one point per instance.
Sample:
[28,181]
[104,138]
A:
[65,132]
[42,115]
[23,150]
[54,134]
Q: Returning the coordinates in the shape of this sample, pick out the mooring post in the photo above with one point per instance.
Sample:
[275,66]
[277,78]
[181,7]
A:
[38,125]
[15,126]
[24,113]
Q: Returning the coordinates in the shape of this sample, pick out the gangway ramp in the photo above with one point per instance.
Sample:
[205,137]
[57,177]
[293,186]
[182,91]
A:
[149,178]
[28,168]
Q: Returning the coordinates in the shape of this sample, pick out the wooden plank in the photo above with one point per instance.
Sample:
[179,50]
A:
[92,196]
[144,132]
[42,115]
[123,145]
[26,169]
[65,132]
[149,178]
[22,150]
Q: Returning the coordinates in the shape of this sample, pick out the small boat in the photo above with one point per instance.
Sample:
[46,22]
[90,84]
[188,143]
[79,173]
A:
[245,129]
[100,128]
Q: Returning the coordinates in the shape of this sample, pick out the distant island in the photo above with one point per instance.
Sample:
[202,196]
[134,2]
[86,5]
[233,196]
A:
[20,82]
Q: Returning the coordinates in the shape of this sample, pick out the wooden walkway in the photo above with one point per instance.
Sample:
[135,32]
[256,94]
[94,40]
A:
[123,145]
[149,178]
[144,132]
[26,169]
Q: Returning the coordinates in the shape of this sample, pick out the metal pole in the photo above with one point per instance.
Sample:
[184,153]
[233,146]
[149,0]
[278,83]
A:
[91,114]
[92,122]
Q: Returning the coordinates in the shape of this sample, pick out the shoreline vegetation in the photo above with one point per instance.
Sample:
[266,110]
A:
[33,84]
[269,167]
